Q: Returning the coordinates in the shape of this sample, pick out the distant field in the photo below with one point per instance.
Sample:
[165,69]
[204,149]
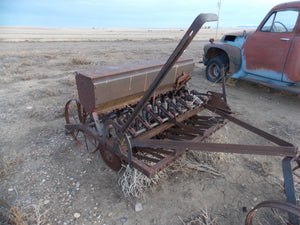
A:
[15,34]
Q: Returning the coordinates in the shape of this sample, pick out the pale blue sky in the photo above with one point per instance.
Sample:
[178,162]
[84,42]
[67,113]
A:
[130,13]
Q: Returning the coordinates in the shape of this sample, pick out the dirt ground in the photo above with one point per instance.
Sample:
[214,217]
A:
[50,180]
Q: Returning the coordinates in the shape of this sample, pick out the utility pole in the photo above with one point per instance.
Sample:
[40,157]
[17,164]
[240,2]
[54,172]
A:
[219,9]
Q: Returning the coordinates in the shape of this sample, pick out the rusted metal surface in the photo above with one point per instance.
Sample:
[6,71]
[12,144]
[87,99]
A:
[259,48]
[149,125]
[124,83]
[214,147]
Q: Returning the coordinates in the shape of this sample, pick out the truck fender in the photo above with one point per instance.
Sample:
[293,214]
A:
[230,52]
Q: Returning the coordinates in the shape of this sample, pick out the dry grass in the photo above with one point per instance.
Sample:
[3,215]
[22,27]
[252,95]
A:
[47,113]
[80,61]
[200,161]
[28,63]
[46,92]
[11,215]
[16,216]
[297,184]
[32,214]
[30,76]
[201,218]
[40,214]
[134,183]
[69,81]
[231,82]
[8,163]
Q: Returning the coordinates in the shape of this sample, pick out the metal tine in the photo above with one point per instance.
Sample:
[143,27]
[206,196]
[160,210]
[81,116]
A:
[151,152]
[182,102]
[171,104]
[153,114]
[146,158]
[199,124]
[177,134]
[144,122]
[131,130]
[163,110]
[209,118]
[209,121]
[163,151]
[183,131]
[188,128]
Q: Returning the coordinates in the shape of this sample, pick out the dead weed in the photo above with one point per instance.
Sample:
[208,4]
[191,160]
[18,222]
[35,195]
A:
[33,214]
[200,161]
[47,92]
[134,183]
[69,81]
[16,216]
[8,163]
[31,76]
[80,61]
[28,63]
[200,218]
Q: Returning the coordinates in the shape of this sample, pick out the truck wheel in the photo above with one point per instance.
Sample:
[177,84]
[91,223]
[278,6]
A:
[214,68]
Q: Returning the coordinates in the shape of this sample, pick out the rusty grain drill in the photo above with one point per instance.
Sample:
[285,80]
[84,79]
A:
[144,115]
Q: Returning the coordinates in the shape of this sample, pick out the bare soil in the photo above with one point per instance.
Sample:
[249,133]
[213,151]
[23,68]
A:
[48,178]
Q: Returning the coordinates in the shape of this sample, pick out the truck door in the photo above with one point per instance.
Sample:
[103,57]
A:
[266,50]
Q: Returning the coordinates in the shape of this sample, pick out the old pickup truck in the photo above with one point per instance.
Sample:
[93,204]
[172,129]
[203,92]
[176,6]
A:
[270,55]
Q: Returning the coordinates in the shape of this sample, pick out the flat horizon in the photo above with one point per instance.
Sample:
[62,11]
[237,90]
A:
[22,33]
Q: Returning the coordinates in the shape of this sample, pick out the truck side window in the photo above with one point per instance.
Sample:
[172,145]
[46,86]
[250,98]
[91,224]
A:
[268,24]
[281,22]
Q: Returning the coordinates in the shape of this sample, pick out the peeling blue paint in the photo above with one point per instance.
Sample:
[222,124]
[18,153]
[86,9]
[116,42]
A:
[262,76]
[266,80]
[286,79]
[272,76]
[238,42]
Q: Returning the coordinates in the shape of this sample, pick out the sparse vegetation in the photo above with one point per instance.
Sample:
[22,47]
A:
[34,214]
[134,183]
[80,61]
[69,81]
[16,216]
[40,78]
[28,63]
[199,161]
[201,218]
[8,163]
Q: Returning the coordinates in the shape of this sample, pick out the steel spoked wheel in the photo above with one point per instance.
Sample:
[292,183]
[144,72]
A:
[75,116]
[215,68]
[274,212]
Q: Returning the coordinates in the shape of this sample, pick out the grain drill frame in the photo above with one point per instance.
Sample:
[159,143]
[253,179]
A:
[144,115]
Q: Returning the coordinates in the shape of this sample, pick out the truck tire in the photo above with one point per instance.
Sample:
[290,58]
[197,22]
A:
[214,68]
